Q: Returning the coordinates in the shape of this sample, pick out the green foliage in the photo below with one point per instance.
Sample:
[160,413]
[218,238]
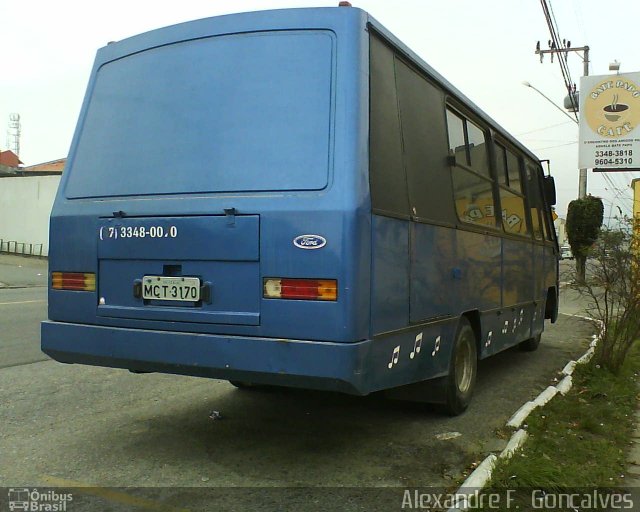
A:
[612,288]
[577,441]
[584,219]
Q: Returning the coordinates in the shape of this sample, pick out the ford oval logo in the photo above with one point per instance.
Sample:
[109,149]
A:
[309,242]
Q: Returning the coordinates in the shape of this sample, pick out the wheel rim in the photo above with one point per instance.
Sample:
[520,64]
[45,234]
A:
[464,365]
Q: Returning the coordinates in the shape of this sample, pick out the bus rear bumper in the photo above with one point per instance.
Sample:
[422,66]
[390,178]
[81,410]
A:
[296,363]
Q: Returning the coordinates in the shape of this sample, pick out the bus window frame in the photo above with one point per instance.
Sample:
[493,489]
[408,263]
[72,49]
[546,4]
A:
[540,204]
[450,105]
[545,211]
[505,146]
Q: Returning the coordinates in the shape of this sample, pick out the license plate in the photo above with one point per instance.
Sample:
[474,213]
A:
[185,289]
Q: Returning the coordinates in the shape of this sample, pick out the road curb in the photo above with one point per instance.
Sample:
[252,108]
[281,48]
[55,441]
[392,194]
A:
[480,476]
[514,444]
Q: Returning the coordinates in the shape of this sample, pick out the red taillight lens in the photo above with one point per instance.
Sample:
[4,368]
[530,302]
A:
[301,289]
[79,281]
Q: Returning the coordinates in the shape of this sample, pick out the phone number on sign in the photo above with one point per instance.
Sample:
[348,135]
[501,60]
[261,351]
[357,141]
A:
[614,161]
[614,152]
[138,232]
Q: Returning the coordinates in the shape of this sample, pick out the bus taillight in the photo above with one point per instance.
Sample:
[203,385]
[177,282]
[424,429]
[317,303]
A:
[79,281]
[301,289]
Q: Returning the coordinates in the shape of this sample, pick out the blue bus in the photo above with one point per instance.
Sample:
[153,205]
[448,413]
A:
[295,198]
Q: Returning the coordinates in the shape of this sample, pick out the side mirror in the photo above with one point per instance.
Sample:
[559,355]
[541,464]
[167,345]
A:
[549,185]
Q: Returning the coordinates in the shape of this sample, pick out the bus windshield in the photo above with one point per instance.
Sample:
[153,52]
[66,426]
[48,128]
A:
[235,113]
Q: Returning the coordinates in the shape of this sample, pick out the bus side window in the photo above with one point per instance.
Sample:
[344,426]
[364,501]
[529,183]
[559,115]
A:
[545,211]
[535,199]
[472,183]
[511,197]
[424,136]
[457,143]
[546,224]
[478,149]
[386,171]
[501,165]
[513,170]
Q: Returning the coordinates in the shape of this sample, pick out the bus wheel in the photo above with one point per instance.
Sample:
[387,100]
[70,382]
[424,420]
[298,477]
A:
[463,368]
[531,344]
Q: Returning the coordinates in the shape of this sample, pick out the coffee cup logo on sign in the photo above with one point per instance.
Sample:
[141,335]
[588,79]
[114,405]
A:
[612,108]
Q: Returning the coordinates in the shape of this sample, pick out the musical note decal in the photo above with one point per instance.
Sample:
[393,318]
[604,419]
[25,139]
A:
[394,357]
[416,346]
[436,347]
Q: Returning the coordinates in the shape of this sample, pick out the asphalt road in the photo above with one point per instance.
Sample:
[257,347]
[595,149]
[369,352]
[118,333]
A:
[77,426]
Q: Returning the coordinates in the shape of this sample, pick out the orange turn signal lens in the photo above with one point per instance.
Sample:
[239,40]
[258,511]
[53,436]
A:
[78,281]
[301,289]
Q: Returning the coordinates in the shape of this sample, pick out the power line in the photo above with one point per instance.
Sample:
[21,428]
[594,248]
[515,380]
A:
[580,19]
[543,128]
[555,44]
[558,146]
[622,181]
[562,50]
[528,139]
[617,200]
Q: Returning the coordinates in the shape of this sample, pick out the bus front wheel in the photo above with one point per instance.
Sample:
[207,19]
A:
[463,368]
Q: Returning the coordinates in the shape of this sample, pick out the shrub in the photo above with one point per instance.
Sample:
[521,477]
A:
[612,285]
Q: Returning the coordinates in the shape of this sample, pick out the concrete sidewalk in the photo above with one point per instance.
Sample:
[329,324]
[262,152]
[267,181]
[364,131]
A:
[22,271]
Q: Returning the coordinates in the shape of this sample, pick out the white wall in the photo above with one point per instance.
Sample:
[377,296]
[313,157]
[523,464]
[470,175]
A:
[25,206]
[561,231]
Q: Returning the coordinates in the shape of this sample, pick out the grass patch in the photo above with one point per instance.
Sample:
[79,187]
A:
[578,441]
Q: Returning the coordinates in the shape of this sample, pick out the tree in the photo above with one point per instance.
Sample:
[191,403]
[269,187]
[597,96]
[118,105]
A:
[584,219]
[613,289]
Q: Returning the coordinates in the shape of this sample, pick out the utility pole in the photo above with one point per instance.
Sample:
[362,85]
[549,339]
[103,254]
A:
[567,49]
[582,181]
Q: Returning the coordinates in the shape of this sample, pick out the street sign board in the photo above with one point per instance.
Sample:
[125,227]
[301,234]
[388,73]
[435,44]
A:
[609,122]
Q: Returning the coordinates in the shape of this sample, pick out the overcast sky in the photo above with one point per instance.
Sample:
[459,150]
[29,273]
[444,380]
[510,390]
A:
[485,48]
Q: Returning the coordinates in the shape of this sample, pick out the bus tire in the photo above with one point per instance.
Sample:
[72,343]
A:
[242,385]
[463,368]
[531,344]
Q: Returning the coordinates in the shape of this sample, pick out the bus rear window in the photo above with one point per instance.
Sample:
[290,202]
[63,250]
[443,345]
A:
[237,113]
